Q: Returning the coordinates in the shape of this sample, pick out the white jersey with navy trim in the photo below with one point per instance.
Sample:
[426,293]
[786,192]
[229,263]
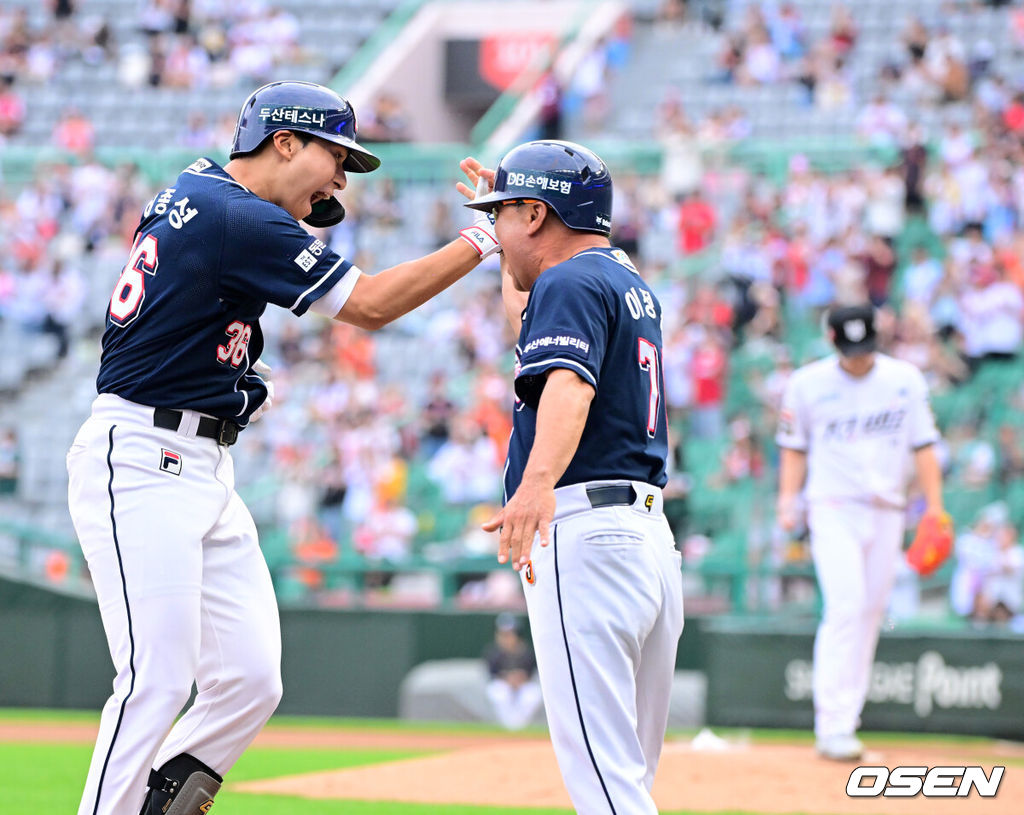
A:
[183,320]
[859,433]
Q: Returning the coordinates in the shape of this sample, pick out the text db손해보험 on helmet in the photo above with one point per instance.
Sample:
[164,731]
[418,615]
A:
[568,177]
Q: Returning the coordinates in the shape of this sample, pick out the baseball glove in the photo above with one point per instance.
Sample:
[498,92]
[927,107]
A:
[932,544]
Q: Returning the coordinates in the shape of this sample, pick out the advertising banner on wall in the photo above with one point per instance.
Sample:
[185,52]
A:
[759,675]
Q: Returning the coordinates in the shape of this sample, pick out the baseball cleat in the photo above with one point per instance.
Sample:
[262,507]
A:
[839,748]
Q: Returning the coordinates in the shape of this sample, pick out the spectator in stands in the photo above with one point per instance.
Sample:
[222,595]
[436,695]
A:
[885,212]
[512,687]
[197,133]
[988,582]
[10,458]
[671,13]
[879,262]
[842,32]
[913,166]
[743,458]
[1010,453]
[74,133]
[387,531]
[436,415]
[157,17]
[12,108]
[730,58]
[915,39]
[696,223]
[761,64]
[974,551]
[186,64]
[708,369]
[991,315]
[682,166]
[388,121]
[466,466]
[787,31]
[587,93]
[922,277]
[881,123]
[917,342]
[945,64]
[64,299]
[549,119]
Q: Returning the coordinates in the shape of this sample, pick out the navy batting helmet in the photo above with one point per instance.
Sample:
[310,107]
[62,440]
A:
[567,177]
[306,107]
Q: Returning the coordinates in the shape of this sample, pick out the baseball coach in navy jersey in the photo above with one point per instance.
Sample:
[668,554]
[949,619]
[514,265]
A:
[582,520]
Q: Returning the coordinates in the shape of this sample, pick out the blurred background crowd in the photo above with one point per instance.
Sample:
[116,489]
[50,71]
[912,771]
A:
[383,452]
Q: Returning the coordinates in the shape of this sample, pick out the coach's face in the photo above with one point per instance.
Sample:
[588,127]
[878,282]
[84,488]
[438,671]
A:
[516,224]
[314,172]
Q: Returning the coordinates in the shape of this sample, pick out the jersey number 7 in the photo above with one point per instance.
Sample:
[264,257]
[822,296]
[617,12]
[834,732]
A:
[648,358]
[130,290]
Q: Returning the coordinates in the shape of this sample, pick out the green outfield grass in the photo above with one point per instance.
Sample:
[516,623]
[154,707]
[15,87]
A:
[46,779]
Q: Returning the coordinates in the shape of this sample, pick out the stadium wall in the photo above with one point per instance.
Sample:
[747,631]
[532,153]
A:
[335,662]
[352,662]
[971,681]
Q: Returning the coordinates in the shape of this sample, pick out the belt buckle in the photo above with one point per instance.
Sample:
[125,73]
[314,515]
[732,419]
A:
[227,433]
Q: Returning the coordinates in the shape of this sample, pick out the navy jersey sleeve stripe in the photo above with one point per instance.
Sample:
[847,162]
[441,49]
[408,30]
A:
[318,289]
[558,362]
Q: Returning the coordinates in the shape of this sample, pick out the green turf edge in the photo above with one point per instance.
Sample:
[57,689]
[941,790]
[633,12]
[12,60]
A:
[286,805]
[762,735]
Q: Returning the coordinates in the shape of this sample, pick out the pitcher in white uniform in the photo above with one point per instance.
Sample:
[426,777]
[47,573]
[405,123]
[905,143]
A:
[855,427]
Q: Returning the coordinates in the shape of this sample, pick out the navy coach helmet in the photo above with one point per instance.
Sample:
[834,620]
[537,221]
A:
[305,107]
[566,176]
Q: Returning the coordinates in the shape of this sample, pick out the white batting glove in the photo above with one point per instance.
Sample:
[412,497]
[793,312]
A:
[481,235]
[262,370]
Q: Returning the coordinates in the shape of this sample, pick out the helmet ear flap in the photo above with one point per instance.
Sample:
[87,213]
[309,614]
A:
[327,212]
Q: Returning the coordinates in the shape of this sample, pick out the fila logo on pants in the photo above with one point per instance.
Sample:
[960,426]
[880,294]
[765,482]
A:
[170,462]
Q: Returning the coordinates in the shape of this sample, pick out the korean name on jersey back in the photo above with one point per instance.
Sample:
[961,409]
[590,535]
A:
[595,316]
[183,321]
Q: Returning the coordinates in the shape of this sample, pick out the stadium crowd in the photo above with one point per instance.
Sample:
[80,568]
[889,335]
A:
[388,448]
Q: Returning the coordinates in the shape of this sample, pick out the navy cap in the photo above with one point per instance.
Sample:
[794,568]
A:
[853,329]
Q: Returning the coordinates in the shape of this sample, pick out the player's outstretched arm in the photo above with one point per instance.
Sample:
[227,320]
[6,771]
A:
[378,299]
[561,416]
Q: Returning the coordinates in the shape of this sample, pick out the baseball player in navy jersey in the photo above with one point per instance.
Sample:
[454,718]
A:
[853,430]
[582,520]
[183,589]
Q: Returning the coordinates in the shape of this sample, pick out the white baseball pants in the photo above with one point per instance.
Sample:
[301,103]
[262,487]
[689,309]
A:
[606,613]
[855,547]
[184,593]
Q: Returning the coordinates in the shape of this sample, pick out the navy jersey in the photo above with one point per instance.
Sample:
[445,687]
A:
[182,327]
[594,315]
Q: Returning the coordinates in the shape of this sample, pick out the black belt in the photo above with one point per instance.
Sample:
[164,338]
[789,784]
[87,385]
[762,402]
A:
[611,495]
[224,431]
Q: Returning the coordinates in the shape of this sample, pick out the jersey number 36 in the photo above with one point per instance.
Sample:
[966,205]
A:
[130,290]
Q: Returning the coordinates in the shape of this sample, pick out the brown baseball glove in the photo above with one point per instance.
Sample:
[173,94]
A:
[932,544]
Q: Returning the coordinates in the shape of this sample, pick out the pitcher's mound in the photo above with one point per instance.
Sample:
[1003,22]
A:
[761,778]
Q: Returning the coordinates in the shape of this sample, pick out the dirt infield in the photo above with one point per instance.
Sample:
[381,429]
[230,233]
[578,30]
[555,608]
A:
[762,778]
[499,770]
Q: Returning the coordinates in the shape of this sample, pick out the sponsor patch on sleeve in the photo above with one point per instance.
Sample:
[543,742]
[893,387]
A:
[559,341]
[308,257]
